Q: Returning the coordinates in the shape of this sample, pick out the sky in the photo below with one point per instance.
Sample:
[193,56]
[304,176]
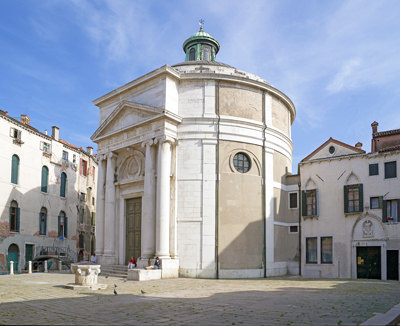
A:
[338,61]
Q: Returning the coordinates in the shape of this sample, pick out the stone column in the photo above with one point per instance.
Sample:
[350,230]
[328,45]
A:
[11,267]
[100,207]
[148,237]
[30,267]
[163,197]
[109,211]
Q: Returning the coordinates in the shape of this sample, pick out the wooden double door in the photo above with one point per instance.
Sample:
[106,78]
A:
[133,228]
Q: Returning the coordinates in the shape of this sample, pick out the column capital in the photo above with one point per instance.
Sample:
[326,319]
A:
[111,155]
[100,157]
[164,139]
[148,142]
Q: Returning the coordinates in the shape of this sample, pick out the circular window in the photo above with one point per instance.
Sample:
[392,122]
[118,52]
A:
[331,149]
[241,162]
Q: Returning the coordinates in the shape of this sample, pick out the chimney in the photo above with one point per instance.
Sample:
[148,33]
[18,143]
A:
[89,150]
[25,119]
[55,132]
[45,131]
[359,145]
[374,126]
[4,112]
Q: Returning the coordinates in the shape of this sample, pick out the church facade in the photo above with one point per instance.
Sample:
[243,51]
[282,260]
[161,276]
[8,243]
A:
[195,167]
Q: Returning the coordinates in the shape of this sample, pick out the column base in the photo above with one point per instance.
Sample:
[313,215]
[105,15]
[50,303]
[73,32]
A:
[169,267]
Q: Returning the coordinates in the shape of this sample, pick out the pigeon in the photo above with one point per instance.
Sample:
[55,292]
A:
[115,292]
[115,285]
[142,291]
[106,276]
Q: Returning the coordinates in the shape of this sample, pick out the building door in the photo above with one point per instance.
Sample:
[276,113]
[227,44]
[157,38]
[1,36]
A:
[369,262]
[13,255]
[28,253]
[392,259]
[133,228]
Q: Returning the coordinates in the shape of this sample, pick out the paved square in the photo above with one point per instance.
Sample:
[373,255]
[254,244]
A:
[41,299]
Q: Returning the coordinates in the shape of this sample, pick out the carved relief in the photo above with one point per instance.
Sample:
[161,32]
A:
[368,229]
[132,167]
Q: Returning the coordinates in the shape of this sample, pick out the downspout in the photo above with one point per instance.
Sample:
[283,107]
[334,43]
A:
[217,182]
[300,201]
[263,188]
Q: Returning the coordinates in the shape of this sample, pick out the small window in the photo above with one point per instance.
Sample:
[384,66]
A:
[14,217]
[43,221]
[93,201]
[14,169]
[353,198]
[390,170]
[62,225]
[15,133]
[45,178]
[375,202]
[374,169]
[206,54]
[311,250]
[192,54]
[83,170]
[45,147]
[241,162]
[309,203]
[65,155]
[63,184]
[293,200]
[326,250]
[332,149]
[391,210]
[293,229]
[74,158]
[82,196]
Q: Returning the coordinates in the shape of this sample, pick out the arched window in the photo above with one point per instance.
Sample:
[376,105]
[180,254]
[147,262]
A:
[43,221]
[206,54]
[45,178]
[192,54]
[14,217]
[62,225]
[63,185]
[14,169]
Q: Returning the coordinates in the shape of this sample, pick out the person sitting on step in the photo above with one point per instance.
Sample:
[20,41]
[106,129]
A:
[132,263]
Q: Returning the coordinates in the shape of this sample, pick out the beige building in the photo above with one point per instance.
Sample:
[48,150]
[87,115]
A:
[195,167]
[350,209]
[47,195]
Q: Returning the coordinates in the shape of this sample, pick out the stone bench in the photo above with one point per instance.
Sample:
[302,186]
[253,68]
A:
[137,274]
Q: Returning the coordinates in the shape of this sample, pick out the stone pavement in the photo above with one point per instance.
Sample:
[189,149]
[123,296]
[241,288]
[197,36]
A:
[41,299]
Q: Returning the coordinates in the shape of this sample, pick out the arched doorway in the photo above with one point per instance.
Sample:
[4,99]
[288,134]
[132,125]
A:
[13,255]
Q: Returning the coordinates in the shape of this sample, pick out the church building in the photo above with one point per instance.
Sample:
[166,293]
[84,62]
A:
[195,167]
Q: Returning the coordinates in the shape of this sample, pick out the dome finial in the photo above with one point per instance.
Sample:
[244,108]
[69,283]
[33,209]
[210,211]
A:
[201,23]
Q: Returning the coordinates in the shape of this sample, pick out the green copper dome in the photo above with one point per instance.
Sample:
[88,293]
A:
[201,46]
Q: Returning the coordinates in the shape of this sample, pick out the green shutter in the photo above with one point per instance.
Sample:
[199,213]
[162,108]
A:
[45,174]
[9,221]
[346,199]
[63,184]
[18,213]
[360,198]
[59,227]
[14,169]
[45,224]
[384,211]
[65,227]
[316,203]
[40,224]
[380,201]
[304,203]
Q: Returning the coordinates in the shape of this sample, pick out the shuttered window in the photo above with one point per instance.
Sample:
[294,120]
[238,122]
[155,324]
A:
[45,178]
[14,217]
[390,170]
[14,169]
[309,203]
[43,221]
[63,184]
[62,225]
[353,198]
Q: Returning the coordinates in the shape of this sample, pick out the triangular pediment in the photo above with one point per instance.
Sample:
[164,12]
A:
[333,148]
[126,115]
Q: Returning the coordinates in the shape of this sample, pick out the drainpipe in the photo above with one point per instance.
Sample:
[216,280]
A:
[263,187]
[299,225]
[217,182]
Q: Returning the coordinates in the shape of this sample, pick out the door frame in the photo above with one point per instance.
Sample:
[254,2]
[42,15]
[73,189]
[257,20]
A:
[371,243]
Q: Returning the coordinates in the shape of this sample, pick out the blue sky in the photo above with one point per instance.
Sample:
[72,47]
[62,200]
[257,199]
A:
[339,61]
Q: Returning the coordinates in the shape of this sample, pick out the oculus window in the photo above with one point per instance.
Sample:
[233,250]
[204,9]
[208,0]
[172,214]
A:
[241,162]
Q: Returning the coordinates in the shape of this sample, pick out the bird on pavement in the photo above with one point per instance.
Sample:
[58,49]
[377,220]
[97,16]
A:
[142,291]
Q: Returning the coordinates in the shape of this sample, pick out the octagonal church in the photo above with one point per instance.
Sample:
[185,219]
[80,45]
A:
[195,167]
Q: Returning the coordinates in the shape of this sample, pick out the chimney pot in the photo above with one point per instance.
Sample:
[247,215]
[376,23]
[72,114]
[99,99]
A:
[55,133]
[374,126]
[25,119]
[89,150]
[359,145]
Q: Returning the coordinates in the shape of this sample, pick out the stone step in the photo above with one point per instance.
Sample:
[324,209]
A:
[115,270]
